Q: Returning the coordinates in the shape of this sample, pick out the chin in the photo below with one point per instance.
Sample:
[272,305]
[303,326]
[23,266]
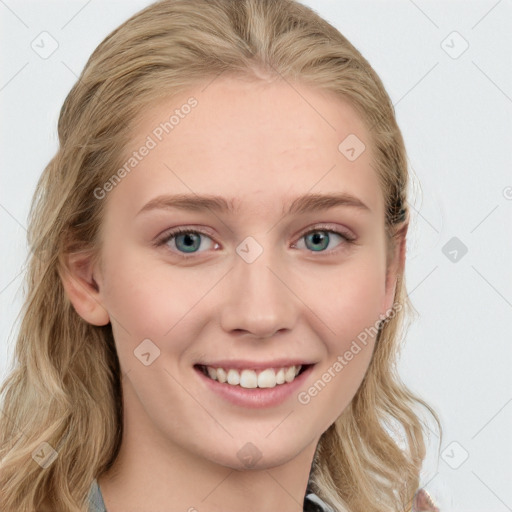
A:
[250,457]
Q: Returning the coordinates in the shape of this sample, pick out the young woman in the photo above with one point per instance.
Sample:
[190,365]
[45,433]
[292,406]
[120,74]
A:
[216,285]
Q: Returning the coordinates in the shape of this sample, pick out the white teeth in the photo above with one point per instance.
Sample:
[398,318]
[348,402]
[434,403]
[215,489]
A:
[290,374]
[221,375]
[249,379]
[267,379]
[233,377]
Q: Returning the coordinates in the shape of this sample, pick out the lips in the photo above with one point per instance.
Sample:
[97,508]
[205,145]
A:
[254,397]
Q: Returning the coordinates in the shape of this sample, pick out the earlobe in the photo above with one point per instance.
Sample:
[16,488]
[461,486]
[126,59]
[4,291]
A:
[82,289]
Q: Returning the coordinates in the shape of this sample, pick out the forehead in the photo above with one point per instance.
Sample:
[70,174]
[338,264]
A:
[254,143]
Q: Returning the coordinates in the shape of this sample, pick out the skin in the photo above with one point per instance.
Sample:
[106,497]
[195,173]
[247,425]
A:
[181,440]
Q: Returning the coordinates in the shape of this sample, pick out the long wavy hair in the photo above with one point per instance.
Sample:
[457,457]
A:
[61,423]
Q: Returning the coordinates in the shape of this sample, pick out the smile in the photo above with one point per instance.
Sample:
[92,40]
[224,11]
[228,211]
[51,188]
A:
[250,379]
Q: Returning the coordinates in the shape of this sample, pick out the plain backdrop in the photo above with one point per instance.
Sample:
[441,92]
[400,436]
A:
[446,66]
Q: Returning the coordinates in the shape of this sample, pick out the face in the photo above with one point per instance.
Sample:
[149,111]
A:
[271,282]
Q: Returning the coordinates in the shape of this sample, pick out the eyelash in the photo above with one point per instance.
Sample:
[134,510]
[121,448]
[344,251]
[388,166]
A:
[348,239]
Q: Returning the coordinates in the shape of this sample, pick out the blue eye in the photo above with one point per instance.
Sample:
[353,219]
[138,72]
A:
[187,241]
[184,239]
[318,240]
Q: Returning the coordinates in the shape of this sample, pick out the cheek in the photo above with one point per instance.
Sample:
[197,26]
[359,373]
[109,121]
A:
[142,303]
[147,299]
[350,300]
[349,305]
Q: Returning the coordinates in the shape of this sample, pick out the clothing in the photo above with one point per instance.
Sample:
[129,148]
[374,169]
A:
[312,503]
[96,499]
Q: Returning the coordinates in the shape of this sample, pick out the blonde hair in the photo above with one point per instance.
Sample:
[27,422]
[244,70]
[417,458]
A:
[64,390]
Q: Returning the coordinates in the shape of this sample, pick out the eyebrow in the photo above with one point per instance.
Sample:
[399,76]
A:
[302,204]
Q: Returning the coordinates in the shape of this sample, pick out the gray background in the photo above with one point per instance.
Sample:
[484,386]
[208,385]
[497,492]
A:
[454,107]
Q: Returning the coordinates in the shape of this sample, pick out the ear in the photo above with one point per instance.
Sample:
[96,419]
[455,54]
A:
[80,279]
[395,266]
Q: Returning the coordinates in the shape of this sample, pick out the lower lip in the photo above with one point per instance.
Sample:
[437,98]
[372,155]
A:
[256,398]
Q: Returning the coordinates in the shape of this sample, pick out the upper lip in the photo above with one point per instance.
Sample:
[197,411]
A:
[238,364]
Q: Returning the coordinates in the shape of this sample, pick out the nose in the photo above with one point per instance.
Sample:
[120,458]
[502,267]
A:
[260,299]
